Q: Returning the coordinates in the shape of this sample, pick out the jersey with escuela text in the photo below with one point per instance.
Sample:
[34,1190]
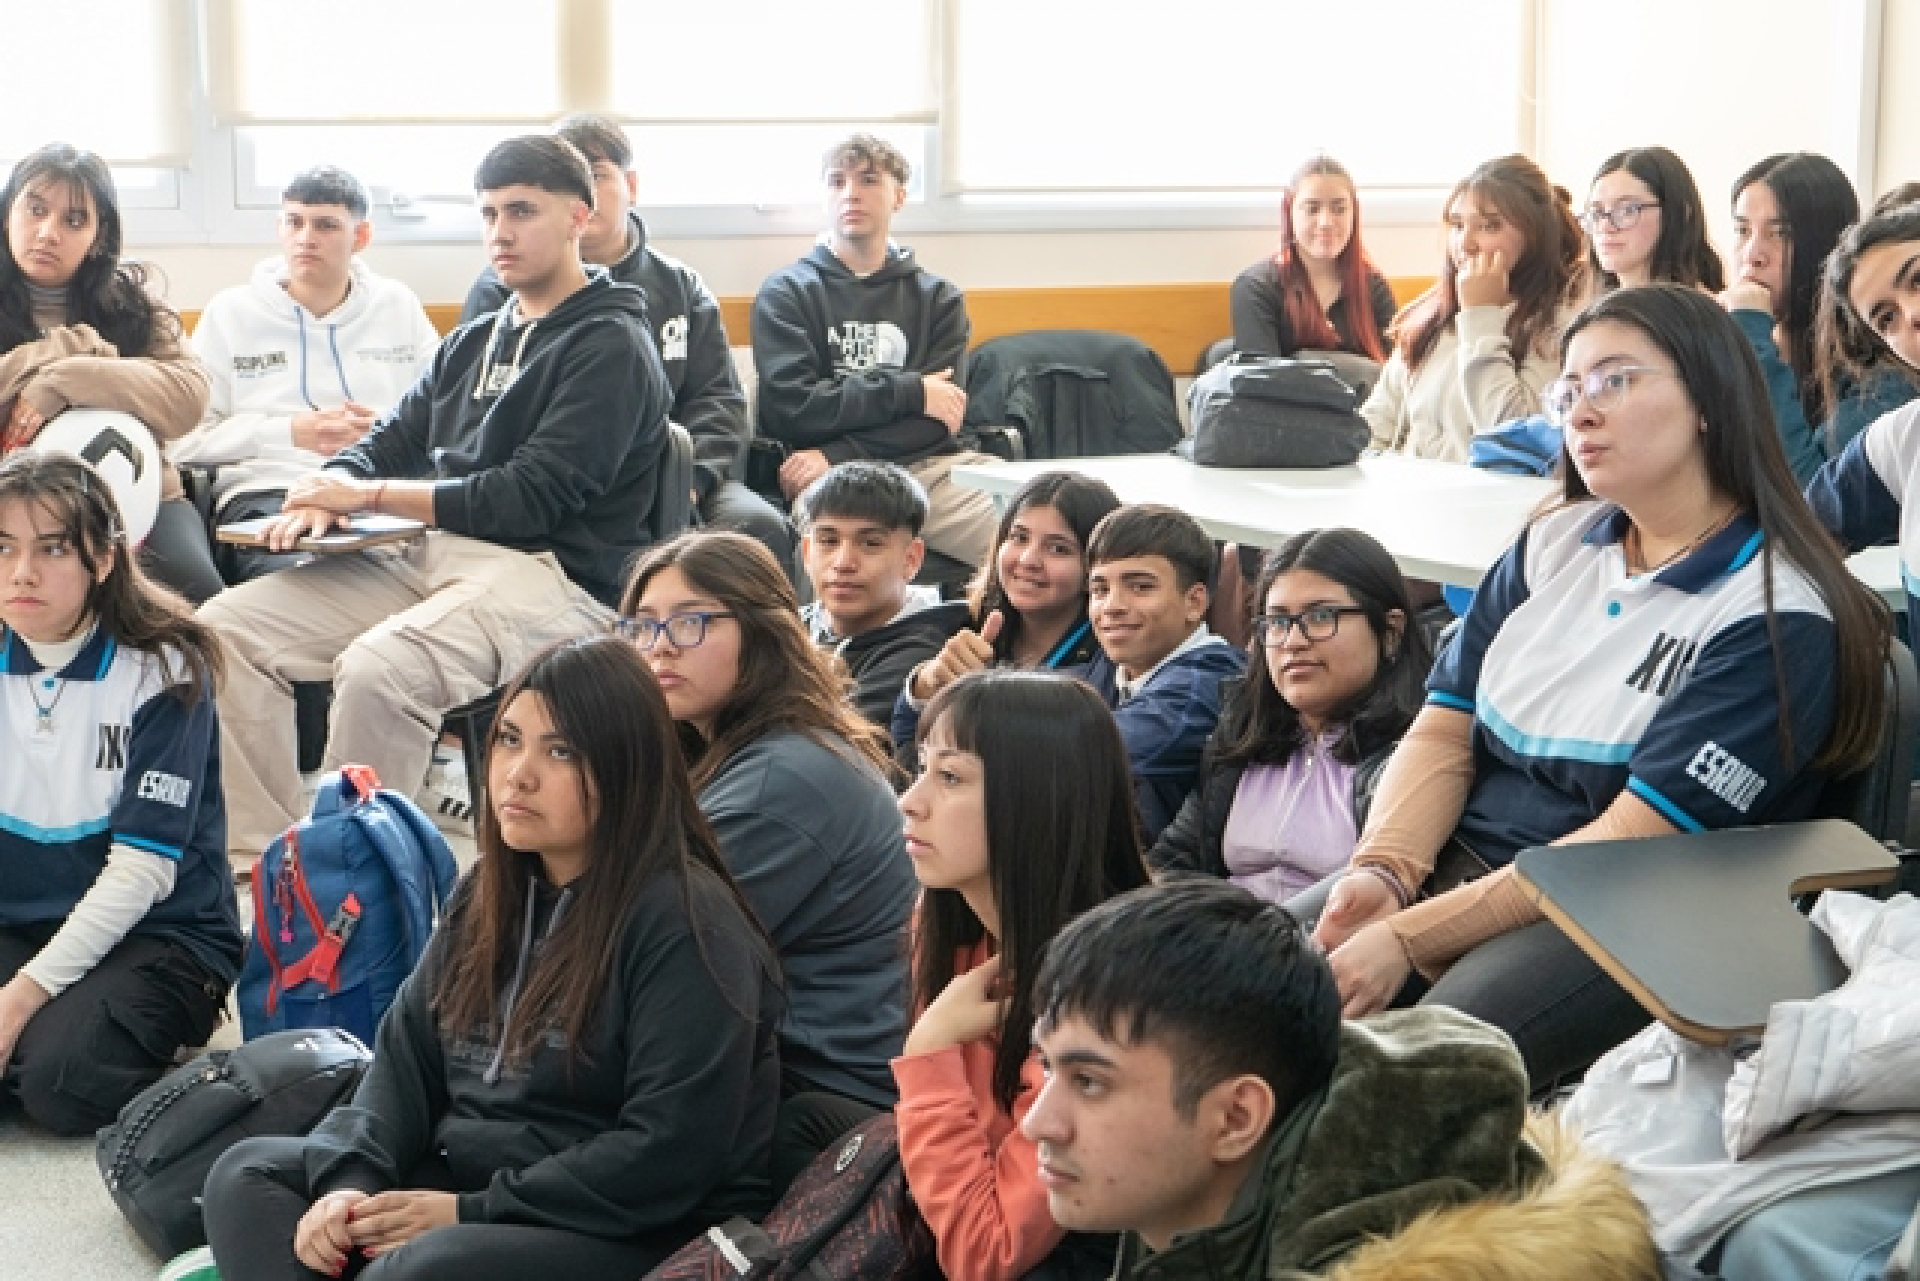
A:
[1583,679]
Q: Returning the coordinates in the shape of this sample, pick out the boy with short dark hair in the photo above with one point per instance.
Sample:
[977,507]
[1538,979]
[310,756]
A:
[530,449]
[1203,1097]
[687,330]
[861,354]
[301,360]
[860,540]
[1149,571]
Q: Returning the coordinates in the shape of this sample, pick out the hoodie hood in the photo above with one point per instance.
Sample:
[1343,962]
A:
[269,288]
[900,265]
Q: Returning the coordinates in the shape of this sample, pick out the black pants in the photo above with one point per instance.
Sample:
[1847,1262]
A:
[112,1034]
[808,1124]
[732,505]
[256,1194]
[178,553]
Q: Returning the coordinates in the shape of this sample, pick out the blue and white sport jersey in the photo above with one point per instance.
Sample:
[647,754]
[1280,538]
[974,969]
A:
[1862,495]
[1583,680]
[128,762]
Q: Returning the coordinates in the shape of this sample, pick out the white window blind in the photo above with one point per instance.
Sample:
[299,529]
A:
[1227,95]
[121,91]
[772,61]
[387,61]
[527,61]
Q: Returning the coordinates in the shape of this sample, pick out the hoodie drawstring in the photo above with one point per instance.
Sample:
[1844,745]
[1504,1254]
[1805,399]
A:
[486,357]
[492,1075]
[333,345]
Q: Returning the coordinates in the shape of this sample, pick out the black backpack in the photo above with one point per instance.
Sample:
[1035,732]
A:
[1274,411]
[156,1155]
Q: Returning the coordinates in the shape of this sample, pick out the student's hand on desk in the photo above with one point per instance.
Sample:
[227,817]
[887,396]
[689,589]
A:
[323,1237]
[1482,281]
[970,1008]
[20,1000]
[800,470]
[391,1219]
[1369,969]
[1748,295]
[965,651]
[328,431]
[1357,900]
[944,400]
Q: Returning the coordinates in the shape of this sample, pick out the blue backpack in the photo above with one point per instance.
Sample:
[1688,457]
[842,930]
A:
[343,904]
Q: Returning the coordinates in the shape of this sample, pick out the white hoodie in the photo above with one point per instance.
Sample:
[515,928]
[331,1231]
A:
[268,358]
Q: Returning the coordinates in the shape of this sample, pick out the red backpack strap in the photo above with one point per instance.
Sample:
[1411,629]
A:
[364,780]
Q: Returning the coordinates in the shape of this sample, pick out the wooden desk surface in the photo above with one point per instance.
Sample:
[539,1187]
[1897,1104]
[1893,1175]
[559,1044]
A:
[1702,929]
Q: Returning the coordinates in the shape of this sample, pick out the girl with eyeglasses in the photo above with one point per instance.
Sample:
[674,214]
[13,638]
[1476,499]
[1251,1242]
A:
[795,784]
[1291,769]
[1676,646]
[1318,291]
[1788,214]
[1475,350]
[1646,224]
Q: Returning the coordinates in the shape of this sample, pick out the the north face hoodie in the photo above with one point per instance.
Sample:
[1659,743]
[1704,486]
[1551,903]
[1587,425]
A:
[543,435]
[692,339]
[268,358]
[840,356]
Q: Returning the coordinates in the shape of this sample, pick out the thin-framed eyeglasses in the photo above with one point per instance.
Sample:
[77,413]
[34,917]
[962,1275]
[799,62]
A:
[1603,388]
[1316,623]
[1623,216]
[685,631]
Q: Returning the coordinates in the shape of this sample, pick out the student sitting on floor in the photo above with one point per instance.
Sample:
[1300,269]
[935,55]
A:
[530,449]
[1020,820]
[583,1071]
[1336,672]
[1788,214]
[118,932]
[861,354]
[796,786]
[1203,1097]
[302,359]
[1677,646]
[687,330]
[79,329]
[860,541]
[1029,605]
[1476,350]
[1151,568]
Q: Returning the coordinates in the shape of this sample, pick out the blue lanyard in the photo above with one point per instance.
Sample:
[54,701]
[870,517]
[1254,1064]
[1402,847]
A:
[1065,647]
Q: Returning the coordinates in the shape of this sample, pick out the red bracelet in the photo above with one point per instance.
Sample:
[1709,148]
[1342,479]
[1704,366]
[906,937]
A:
[379,492]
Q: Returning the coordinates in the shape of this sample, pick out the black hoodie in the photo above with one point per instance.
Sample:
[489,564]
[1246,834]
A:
[661,1128]
[840,357]
[692,341]
[558,452]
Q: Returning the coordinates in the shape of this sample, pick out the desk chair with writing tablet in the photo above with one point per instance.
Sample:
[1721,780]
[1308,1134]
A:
[1702,928]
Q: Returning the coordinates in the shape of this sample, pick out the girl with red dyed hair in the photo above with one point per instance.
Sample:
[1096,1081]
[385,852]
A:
[1319,291]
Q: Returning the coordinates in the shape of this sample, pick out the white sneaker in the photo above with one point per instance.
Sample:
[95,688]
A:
[444,796]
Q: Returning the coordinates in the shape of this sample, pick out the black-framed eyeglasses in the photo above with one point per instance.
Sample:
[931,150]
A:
[685,631]
[1623,216]
[1603,388]
[1316,623]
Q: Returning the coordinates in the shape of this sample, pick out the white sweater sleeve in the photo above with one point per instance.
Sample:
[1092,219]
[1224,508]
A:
[224,435]
[1497,387]
[132,881]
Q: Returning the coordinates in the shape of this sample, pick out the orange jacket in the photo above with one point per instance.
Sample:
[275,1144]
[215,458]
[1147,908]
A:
[975,1177]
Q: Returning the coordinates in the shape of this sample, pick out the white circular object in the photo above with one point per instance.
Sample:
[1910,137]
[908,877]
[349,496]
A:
[121,449]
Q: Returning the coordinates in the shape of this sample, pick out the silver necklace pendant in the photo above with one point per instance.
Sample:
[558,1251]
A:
[43,724]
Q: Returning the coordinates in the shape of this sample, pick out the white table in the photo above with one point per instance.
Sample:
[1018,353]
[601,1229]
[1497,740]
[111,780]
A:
[1441,521]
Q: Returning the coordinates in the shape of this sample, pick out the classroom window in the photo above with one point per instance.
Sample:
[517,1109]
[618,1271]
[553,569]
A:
[123,94]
